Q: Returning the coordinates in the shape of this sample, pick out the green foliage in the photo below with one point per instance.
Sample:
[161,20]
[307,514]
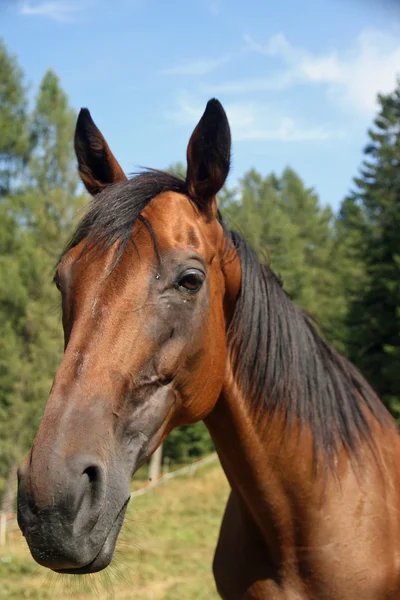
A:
[52,163]
[36,216]
[373,222]
[188,443]
[178,169]
[14,138]
[284,222]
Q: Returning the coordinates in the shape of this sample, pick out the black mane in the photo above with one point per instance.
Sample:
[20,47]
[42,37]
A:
[112,213]
[281,361]
[283,364]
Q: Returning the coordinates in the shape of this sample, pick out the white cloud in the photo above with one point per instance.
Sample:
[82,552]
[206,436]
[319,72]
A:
[251,121]
[62,12]
[286,129]
[352,77]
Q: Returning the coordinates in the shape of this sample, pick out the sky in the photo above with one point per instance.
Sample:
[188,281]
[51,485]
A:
[297,78]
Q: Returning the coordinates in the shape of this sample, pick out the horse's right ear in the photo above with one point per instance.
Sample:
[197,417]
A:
[96,163]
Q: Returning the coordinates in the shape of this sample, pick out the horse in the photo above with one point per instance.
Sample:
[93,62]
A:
[169,318]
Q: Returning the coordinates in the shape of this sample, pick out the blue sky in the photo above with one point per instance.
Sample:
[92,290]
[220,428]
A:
[298,78]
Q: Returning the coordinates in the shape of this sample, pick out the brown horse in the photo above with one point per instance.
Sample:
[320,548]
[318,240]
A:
[168,319]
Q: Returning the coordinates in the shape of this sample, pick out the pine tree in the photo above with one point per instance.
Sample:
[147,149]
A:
[256,211]
[374,317]
[14,153]
[38,218]
[284,222]
[49,207]
[14,138]
[350,229]
[13,298]
[316,282]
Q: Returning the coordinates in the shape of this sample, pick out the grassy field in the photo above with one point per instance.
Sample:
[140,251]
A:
[165,549]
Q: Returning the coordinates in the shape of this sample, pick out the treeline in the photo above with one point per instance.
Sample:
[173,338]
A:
[39,199]
[344,269]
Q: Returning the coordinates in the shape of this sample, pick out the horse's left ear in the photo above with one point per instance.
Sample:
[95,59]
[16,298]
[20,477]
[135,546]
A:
[208,154]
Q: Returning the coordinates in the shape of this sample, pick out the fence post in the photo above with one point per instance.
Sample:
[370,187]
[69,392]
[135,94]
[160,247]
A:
[155,464]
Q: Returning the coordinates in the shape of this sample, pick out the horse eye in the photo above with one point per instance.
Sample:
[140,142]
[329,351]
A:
[191,281]
[56,281]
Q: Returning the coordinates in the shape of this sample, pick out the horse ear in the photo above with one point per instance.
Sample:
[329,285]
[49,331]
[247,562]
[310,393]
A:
[96,163]
[208,154]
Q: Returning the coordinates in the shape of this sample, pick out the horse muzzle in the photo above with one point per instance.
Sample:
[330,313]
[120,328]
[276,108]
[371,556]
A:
[71,517]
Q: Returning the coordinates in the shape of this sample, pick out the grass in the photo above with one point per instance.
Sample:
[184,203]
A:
[164,552]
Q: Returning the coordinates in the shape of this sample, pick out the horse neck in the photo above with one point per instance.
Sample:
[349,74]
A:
[262,464]
[245,456]
[268,450]
[266,466]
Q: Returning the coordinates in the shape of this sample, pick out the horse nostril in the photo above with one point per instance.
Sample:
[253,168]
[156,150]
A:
[93,474]
[93,488]
[89,491]
[93,482]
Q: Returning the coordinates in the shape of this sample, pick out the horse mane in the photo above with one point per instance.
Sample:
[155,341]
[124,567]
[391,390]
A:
[280,360]
[112,213]
[283,364]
